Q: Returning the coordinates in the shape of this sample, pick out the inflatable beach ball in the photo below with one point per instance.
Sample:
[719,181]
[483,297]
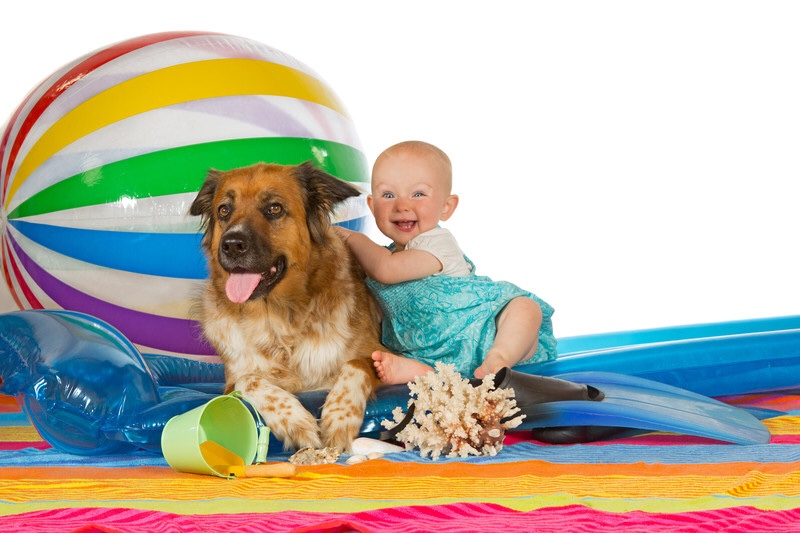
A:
[102,160]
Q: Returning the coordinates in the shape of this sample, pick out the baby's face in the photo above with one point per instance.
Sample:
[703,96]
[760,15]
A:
[409,195]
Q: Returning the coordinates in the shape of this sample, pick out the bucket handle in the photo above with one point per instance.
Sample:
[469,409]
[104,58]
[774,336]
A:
[263,429]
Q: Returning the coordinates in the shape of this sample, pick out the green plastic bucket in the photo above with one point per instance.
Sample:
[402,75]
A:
[225,420]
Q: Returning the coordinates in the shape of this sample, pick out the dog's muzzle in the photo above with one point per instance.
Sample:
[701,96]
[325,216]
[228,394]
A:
[252,269]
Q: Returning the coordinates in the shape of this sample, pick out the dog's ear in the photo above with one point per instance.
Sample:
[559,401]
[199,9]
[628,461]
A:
[204,202]
[205,197]
[323,192]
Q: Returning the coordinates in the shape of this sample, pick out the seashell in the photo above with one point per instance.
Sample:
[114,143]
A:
[365,446]
[312,456]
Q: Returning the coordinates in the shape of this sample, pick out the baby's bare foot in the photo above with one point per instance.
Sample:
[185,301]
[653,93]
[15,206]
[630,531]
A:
[395,369]
[491,365]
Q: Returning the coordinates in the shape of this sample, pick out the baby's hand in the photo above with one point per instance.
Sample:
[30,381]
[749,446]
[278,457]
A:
[343,233]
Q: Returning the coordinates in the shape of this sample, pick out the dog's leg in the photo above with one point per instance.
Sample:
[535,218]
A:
[343,412]
[283,413]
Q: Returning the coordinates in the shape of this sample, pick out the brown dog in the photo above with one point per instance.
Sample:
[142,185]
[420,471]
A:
[285,305]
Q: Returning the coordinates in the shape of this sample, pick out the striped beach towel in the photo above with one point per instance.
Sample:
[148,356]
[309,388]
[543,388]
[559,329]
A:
[647,483]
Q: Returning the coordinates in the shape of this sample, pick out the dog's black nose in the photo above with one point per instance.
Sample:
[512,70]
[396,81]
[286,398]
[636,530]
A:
[234,245]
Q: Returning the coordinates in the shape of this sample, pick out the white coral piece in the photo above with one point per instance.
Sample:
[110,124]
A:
[454,418]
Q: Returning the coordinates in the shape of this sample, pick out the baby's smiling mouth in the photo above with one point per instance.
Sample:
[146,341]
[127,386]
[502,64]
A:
[405,225]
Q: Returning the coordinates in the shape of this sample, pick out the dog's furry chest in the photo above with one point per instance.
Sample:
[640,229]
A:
[298,355]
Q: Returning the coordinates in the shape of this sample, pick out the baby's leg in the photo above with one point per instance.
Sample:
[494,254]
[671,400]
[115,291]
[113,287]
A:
[396,370]
[517,336]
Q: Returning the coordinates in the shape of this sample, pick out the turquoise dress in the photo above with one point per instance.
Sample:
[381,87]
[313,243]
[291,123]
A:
[451,319]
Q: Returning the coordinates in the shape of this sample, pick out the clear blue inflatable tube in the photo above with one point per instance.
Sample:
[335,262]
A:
[601,341]
[715,366]
[85,387]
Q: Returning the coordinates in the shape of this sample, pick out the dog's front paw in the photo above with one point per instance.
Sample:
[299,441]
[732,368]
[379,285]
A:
[297,432]
[283,413]
[343,412]
[340,430]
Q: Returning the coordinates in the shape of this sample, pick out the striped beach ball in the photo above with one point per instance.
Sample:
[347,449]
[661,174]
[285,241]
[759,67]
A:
[102,160]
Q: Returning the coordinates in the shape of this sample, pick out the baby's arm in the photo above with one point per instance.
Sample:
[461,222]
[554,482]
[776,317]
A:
[384,266]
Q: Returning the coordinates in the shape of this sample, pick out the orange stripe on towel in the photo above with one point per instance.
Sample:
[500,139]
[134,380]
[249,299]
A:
[400,482]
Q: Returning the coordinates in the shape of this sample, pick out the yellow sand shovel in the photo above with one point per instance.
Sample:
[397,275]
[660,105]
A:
[228,464]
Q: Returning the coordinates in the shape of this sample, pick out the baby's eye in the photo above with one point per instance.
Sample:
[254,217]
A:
[418,194]
[387,195]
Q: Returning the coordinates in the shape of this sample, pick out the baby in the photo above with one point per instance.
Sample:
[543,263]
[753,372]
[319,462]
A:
[435,307]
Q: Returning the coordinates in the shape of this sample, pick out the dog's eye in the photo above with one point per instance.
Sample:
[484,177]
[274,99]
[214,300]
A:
[274,210]
[224,211]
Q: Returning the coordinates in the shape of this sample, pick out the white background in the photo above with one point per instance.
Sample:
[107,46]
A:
[634,163]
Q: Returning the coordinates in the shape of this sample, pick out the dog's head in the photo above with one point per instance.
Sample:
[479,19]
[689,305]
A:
[262,224]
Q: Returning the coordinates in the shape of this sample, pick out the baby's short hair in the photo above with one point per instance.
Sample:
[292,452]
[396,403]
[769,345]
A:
[422,148]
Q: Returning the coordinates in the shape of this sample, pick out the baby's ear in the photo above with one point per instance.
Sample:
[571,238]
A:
[449,206]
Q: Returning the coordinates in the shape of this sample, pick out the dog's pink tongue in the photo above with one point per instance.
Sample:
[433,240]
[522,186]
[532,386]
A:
[240,286]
